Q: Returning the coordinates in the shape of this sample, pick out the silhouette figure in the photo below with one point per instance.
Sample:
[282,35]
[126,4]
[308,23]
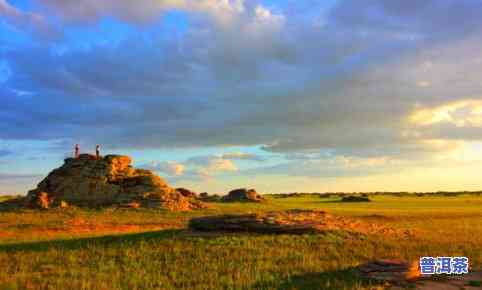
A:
[76,151]
[97,151]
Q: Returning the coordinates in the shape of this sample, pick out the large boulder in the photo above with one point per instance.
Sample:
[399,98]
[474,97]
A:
[106,181]
[243,194]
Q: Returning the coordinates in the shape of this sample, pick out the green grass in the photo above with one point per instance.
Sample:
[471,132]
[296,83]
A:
[91,249]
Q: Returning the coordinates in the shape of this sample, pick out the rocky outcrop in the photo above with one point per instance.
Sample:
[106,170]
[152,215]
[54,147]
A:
[292,222]
[243,194]
[289,222]
[106,181]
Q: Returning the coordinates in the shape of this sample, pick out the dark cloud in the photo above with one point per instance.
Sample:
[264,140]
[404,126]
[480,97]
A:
[345,85]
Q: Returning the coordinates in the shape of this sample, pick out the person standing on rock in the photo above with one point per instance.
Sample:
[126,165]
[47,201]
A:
[97,151]
[77,151]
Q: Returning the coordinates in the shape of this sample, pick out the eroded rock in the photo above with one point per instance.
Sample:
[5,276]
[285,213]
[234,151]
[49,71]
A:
[106,181]
[288,222]
[243,195]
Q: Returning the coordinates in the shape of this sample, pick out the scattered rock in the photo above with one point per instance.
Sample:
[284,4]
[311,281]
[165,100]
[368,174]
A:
[287,222]
[106,181]
[354,198]
[394,271]
[244,195]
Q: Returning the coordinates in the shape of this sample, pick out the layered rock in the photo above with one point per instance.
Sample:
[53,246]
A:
[243,194]
[107,181]
[291,222]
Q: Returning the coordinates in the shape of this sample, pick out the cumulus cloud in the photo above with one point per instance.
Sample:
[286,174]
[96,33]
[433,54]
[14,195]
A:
[144,11]
[198,167]
[249,75]
[212,164]
[463,113]
[170,168]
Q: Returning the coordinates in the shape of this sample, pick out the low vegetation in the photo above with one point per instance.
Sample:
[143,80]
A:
[153,249]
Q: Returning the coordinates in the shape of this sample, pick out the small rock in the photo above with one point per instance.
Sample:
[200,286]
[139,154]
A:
[243,194]
[354,198]
[395,271]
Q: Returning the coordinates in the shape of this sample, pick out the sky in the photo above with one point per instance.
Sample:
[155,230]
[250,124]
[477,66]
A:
[282,96]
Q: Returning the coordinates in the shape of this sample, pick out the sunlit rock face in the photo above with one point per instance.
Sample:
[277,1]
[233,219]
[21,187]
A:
[243,195]
[106,181]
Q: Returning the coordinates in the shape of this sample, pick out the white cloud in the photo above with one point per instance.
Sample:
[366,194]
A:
[243,74]
[27,21]
[461,113]
[170,168]
[199,167]
[142,11]
[212,164]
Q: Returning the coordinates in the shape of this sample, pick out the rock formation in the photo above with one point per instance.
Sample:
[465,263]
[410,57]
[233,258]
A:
[395,271]
[107,181]
[291,222]
[243,194]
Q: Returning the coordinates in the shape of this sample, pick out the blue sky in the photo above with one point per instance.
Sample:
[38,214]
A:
[218,94]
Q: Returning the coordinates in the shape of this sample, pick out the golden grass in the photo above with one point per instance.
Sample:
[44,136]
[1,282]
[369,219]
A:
[150,249]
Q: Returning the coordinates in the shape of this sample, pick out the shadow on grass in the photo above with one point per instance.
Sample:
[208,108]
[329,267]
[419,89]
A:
[336,280]
[72,244]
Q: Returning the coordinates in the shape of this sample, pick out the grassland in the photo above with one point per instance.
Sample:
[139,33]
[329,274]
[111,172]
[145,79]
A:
[151,249]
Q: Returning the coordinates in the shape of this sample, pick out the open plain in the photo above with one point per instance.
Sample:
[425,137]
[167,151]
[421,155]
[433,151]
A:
[114,248]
